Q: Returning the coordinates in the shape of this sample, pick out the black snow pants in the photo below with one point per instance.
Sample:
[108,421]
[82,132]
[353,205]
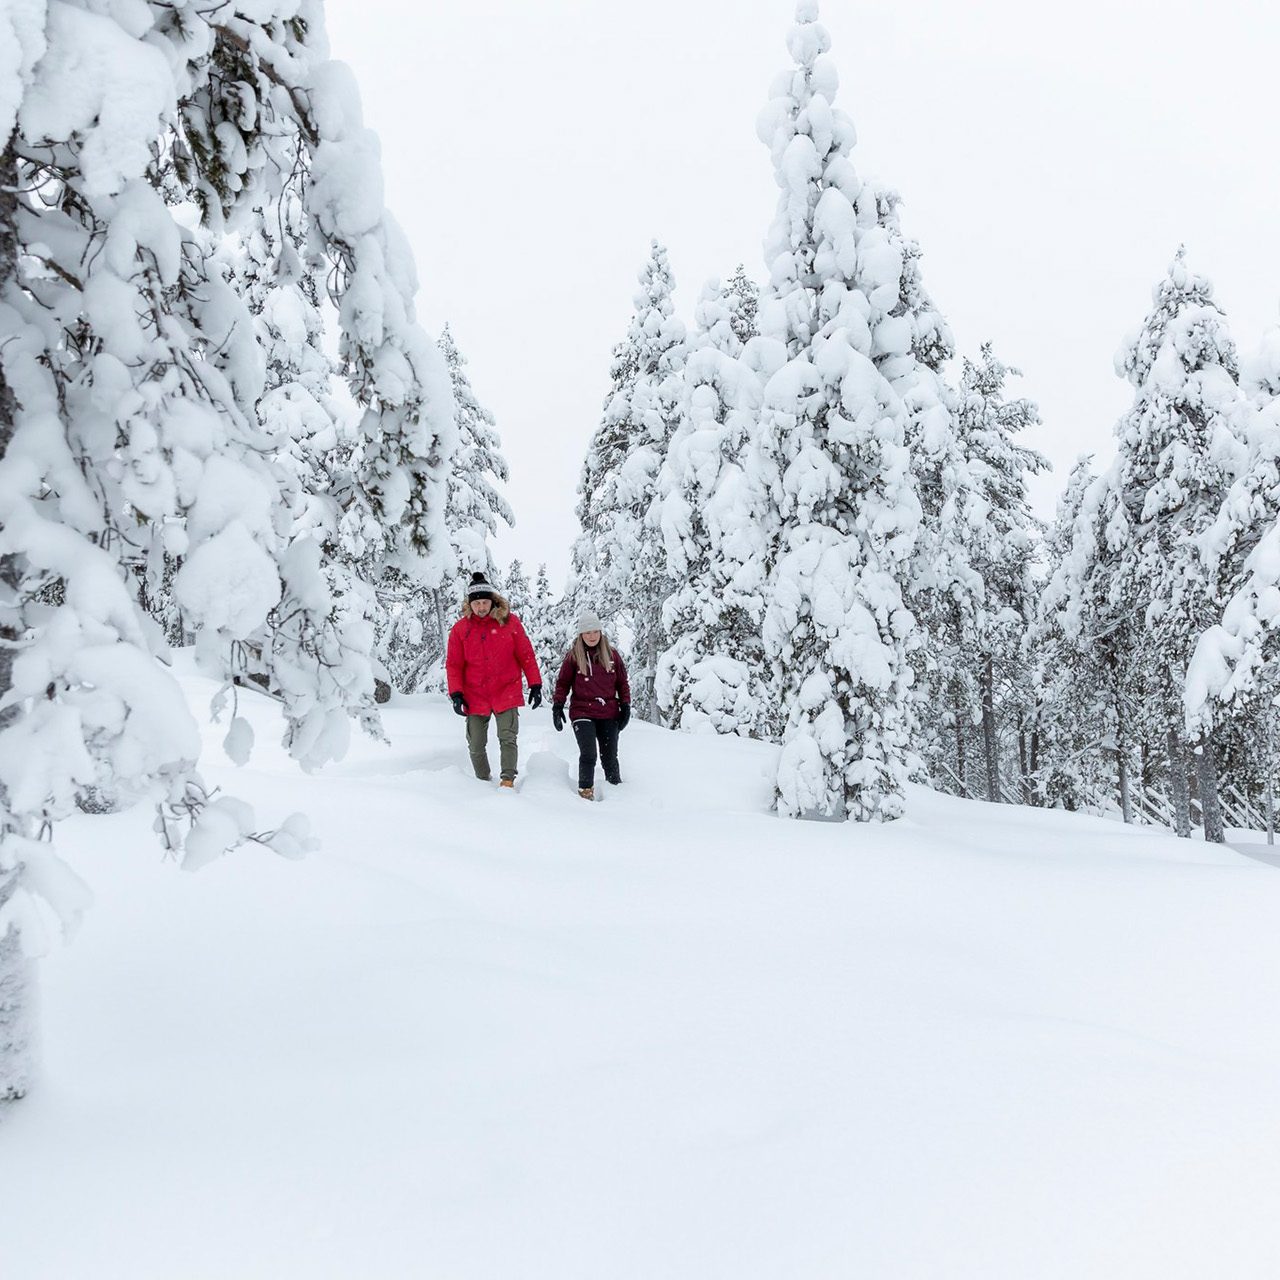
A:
[589,733]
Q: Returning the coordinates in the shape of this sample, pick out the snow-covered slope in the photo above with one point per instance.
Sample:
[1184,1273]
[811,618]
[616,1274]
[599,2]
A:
[519,1036]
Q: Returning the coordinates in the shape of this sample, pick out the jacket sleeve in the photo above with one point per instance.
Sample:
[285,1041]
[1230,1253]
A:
[624,685]
[564,681]
[453,662]
[524,653]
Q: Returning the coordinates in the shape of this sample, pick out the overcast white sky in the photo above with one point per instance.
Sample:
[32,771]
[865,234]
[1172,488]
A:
[1051,159]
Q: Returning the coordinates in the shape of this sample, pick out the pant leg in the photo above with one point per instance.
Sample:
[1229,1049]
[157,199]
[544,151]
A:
[607,736]
[478,745]
[585,732]
[508,733]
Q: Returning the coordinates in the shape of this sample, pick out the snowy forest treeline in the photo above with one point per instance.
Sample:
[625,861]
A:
[817,531]
[223,426]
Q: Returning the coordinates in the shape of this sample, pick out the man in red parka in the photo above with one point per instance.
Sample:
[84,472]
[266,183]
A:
[488,651]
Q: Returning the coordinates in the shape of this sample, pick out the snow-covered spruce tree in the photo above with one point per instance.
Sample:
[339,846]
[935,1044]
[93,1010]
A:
[394,523]
[417,616]
[1179,446]
[315,650]
[474,505]
[833,457]
[273,82]
[945,591]
[1234,670]
[127,368]
[1093,629]
[714,674]
[132,375]
[548,624]
[518,591]
[1002,549]
[619,565]
[742,297]
[1071,711]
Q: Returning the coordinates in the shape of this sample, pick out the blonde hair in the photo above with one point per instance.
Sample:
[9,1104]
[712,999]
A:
[601,653]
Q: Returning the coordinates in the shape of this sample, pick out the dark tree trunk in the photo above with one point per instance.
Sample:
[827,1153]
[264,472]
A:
[14,977]
[442,630]
[1035,764]
[1122,747]
[961,763]
[989,745]
[1178,785]
[1207,777]
[1271,775]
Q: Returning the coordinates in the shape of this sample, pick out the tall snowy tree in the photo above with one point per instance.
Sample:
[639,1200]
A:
[1004,546]
[945,590]
[518,591]
[1091,626]
[315,649]
[474,505]
[1071,713]
[416,615]
[131,380]
[548,622]
[619,565]
[714,673]
[833,456]
[1235,669]
[1178,448]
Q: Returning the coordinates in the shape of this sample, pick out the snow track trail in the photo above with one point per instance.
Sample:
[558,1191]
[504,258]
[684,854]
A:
[518,1036]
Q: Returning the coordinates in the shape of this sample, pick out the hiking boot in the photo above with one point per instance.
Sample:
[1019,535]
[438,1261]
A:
[587,793]
[614,780]
[507,782]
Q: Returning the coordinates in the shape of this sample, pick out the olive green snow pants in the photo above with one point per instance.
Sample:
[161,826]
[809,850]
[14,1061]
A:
[478,742]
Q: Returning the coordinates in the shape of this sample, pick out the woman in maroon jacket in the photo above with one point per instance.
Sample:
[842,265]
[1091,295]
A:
[593,680]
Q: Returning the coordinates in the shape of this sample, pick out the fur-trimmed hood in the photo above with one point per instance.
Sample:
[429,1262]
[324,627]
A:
[500,612]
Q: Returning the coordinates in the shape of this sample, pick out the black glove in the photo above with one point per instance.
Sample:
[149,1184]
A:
[624,716]
[459,704]
[557,715]
[535,697]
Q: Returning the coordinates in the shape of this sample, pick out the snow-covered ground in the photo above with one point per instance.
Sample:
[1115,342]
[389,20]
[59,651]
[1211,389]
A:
[515,1036]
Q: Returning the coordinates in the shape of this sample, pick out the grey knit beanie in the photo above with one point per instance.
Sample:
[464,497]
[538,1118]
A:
[587,621]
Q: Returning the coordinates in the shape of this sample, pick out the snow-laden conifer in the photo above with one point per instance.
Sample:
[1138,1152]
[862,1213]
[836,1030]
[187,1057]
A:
[742,297]
[944,588]
[714,674]
[1071,712]
[1179,446]
[132,378]
[1002,546]
[549,625]
[619,563]
[416,614]
[475,506]
[518,591]
[832,457]
[1234,666]
[1088,624]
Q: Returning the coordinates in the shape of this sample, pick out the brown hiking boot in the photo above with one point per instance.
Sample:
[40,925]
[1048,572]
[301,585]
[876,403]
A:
[587,793]
[507,782]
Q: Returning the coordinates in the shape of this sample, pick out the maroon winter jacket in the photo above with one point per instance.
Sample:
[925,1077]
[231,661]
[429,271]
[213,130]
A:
[485,659]
[599,694]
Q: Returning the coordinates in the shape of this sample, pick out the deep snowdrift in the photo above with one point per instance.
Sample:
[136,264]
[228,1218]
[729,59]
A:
[666,1035]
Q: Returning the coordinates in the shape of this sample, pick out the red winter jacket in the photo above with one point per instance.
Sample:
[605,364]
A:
[485,659]
[598,694]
